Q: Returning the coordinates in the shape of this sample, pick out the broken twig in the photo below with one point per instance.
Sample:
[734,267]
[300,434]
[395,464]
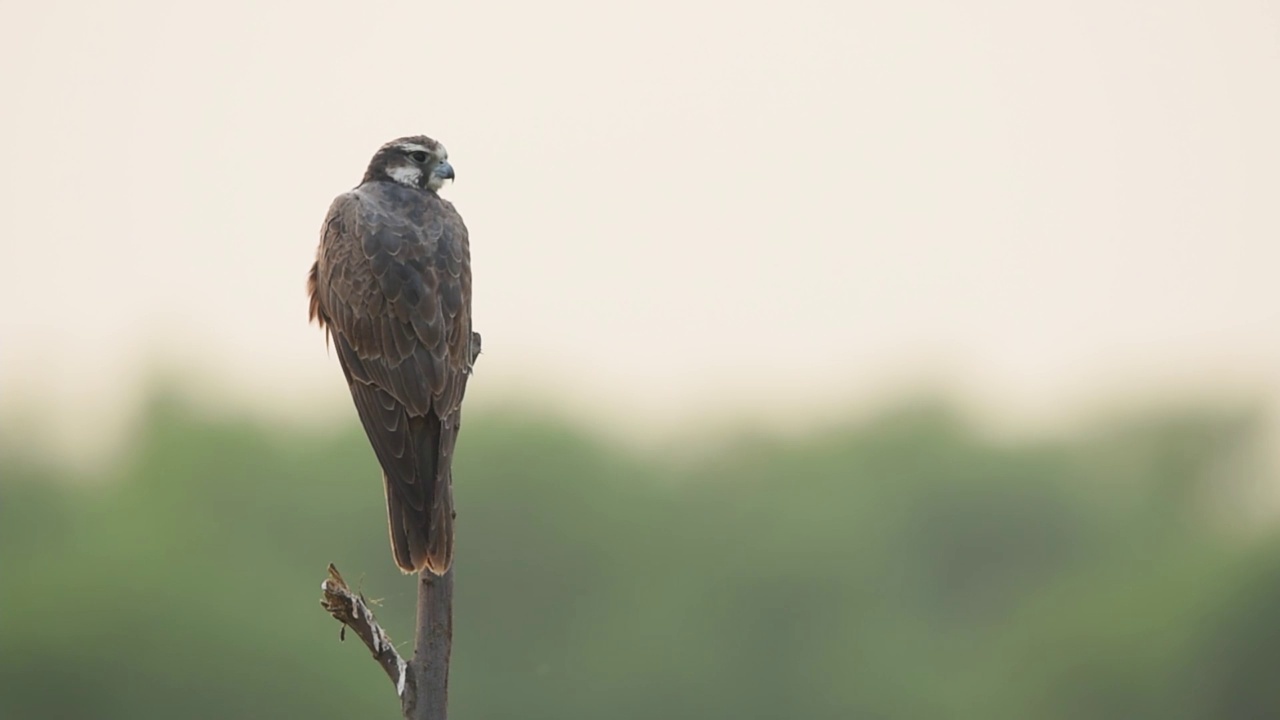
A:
[353,612]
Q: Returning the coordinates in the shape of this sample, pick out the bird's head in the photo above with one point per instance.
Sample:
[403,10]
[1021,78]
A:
[416,161]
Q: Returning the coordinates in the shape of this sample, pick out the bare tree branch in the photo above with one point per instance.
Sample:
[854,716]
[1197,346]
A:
[428,694]
[353,612]
[423,684]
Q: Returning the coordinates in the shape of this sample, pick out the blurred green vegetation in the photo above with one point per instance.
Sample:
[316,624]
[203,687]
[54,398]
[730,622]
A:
[902,567]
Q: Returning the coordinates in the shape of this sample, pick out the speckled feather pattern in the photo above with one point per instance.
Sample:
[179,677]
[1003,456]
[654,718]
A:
[392,288]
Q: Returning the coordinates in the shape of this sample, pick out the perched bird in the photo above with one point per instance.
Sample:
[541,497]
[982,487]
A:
[391,287]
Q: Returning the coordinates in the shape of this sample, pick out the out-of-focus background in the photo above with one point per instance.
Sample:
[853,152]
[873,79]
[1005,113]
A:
[886,360]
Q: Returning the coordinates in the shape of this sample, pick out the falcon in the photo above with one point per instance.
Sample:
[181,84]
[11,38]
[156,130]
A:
[391,288]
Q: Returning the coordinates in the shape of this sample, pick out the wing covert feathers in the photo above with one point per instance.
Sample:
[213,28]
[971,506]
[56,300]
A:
[391,286]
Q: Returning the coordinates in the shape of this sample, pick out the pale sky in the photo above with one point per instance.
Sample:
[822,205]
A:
[675,208]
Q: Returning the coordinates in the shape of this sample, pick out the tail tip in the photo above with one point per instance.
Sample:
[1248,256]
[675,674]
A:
[435,565]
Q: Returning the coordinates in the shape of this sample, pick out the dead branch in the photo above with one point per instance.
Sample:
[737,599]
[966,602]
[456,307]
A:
[428,696]
[422,684]
[353,612]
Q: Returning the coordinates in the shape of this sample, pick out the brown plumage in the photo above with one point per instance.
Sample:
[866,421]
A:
[391,286]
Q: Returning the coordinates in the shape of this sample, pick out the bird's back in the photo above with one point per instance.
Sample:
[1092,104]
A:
[392,286]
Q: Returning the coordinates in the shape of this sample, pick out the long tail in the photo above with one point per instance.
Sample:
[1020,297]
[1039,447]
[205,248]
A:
[422,532]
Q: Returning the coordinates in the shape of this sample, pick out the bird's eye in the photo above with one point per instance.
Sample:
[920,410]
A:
[418,157]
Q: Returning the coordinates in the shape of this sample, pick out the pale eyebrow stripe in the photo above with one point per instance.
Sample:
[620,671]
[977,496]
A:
[411,147]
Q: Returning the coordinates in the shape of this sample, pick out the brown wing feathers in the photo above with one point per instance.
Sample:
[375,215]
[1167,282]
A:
[392,286]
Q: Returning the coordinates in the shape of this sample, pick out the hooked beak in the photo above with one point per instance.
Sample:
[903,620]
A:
[444,171]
